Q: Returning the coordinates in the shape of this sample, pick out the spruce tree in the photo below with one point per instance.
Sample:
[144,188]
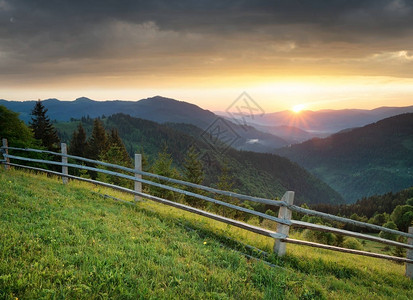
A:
[78,143]
[98,142]
[163,166]
[193,172]
[43,129]
[116,154]
[122,155]
[226,183]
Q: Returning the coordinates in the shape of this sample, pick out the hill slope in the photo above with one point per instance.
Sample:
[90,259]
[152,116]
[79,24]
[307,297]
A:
[374,159]
[258,174]
[69,242]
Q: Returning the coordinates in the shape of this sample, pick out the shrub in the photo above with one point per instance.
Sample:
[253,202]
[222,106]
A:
[352,243]
[400,251]
[386,235]
[402,216]
[319,237]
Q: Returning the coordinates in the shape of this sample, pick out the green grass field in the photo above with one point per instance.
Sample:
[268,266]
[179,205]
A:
[68,242]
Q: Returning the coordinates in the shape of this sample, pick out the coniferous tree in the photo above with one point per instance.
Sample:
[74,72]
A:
[43,129]
[226,183]
[98,141]
[116,154]
[78,143]
[122,156]
[163,166]
[193,172]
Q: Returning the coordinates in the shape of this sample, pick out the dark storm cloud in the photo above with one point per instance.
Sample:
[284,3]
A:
[215,16]
[40,35]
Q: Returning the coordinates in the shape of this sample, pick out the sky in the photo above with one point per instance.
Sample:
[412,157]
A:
[317,54]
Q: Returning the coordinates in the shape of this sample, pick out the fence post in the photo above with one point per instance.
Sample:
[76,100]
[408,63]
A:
[138,167]
[409,254]
[6,151]
[64,161]
[284,213]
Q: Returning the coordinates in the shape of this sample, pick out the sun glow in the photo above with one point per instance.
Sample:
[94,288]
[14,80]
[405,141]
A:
[298,108]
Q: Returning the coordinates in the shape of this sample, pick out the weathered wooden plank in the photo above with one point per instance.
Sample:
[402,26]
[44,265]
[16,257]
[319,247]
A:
[285,214]
[63,148]
[409,255]
[6,152]
[345,250]
[138,167]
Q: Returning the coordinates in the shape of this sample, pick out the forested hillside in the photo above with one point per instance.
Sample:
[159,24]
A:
[266,175]
[369,206]
[374,159]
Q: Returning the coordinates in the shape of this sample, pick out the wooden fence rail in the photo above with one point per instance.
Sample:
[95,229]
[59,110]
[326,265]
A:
[160,177]
[208,189]
[284,218]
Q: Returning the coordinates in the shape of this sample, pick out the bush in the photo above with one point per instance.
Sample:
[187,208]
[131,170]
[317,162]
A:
[400,251]
[352,243]
[386,235]
[14,130]
[319,237]
[402,216]
[379,219]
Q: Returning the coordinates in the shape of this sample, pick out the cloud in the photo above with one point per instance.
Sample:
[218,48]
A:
[394,57]
[60,38]
[4,6]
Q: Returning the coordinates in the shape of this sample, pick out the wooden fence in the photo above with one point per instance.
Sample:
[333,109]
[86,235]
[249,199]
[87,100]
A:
[286,206]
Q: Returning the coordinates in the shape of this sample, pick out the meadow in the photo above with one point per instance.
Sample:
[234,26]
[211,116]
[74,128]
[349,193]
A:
[71,242]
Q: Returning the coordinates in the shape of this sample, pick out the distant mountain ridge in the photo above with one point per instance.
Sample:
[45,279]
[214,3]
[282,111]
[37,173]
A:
[324,122]
[158,109]
[264,134]
[166,109]
[371,160]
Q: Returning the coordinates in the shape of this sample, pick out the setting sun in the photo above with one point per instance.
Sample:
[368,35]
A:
[297,108]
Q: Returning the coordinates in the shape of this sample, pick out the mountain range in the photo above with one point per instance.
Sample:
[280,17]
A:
[262,133]
[328,121]
[370,160]
[157,109]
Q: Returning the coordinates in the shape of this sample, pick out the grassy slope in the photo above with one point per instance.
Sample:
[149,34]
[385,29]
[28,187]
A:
[64,241]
